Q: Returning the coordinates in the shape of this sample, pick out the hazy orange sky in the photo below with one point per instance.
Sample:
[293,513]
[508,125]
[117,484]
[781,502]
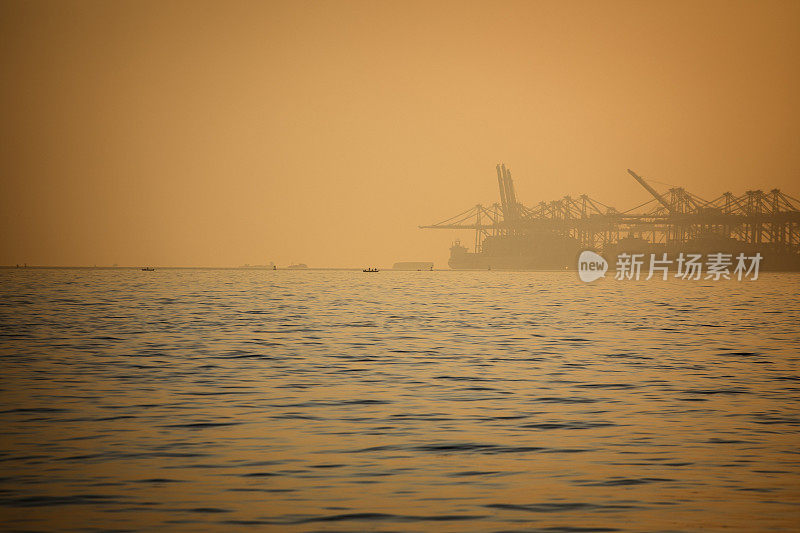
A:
[223,133]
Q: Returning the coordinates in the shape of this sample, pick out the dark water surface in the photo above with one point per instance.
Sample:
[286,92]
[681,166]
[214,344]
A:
[220,400]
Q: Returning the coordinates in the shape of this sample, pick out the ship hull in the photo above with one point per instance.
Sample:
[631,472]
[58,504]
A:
[529,253]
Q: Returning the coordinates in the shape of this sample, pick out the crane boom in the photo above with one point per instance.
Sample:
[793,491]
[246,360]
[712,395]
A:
[650,190]
[511,196]
[501,185]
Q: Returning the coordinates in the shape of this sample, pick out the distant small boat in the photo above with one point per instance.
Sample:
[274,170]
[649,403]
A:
[370,270]
[148,269]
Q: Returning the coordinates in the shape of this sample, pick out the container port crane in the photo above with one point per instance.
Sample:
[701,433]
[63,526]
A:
[550,235]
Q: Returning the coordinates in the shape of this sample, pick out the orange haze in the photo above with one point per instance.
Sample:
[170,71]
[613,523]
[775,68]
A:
[223,133]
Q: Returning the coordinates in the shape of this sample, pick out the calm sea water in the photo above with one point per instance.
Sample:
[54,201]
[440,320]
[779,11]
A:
[222,400]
